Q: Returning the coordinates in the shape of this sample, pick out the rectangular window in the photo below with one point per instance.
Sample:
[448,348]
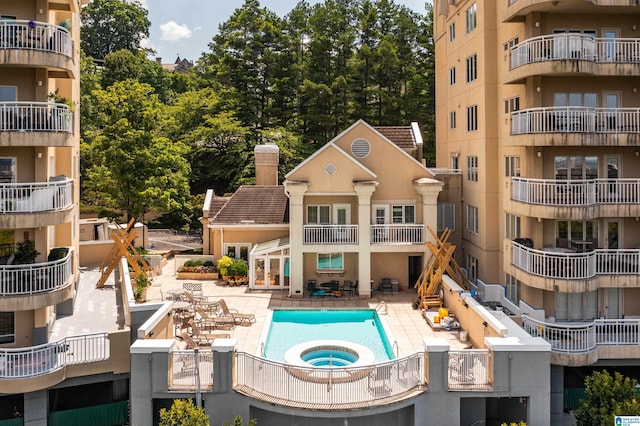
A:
[452,76]
[471,18]
[318,215]
[510,44]
[472,219]
[403,214]
[512,289]
[472,268]
[472,68]
[512,104]
[330,261]
[7,170]
[511,226]
[7,327]
[452,120]
[472,168]
[512,166]
[472,118]
[446,216]
[452,31]
[238,250]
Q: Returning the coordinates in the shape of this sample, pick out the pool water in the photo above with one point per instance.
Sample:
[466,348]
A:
[292,327]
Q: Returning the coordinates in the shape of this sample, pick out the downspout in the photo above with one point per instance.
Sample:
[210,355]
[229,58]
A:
[289,198]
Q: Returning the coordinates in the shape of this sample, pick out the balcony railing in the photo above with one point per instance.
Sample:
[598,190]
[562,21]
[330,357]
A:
[584,338]
[35,278]
[318,387]
[575,193]
[35,117]
[31,35]
[562,47]
[397,234]
[575,266]
[470,369]
[36,197]
[330,234]
[188,370]
[575,120]
[43,359]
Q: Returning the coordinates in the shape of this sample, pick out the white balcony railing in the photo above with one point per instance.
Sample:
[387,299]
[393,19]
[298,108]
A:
[36,197]
[330,234]
[575,266]
[575,193]
[469,369]
[187,370]
[319,387]
[31,35]
[33,361]
[397,234]
[567,46]
[575,120]
[36,278]
[35,117]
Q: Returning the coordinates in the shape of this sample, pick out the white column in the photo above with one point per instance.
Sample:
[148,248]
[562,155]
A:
[296,191]
[429,190]
[364,191]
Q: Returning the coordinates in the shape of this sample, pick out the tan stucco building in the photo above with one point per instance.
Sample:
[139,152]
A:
[537,106]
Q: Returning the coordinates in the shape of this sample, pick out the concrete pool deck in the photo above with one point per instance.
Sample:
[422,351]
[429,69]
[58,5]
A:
[408,326]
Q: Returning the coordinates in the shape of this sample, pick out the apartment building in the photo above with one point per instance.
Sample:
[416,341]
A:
[50,367]
[538,106]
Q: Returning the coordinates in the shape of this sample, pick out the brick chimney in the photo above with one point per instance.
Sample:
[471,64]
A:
[266,160]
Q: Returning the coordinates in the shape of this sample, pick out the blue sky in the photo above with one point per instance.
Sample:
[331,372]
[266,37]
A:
[185,27]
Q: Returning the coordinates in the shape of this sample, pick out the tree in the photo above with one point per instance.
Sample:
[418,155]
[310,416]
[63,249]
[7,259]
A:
[239,422]
[606,396]
[110,25]
[183,412]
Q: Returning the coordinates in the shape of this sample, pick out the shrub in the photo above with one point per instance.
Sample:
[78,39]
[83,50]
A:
[239,268]
[183,412]
[198,266]
[223,264]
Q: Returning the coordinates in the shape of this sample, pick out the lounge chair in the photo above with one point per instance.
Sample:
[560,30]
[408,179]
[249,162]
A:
[210,305]
[233,313]
[203,337]
[214,322]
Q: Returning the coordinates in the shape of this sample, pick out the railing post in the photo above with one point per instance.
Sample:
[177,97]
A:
[223,365]
[438,368]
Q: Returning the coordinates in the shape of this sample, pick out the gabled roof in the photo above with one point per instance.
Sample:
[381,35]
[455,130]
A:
[253,204]
[216,204]
[400,135]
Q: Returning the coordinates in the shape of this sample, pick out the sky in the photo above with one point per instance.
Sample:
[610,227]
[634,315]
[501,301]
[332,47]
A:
[185,27]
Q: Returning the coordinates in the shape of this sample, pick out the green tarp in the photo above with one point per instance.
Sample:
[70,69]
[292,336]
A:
[98,415]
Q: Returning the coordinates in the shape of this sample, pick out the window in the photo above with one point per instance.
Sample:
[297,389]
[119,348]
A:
[472,268]
[238,250]
[330,261]
[511,43]
[7,170]
[512,104]
[452,76]
[471,18]
[403,214]
[512,289]
[472,118]
[472,67]
[511,226]
[472,168]
[446,216]
[472,219]
[452,31]
[454,161]
[576,306]
[512,166]
[318,215]
[452,120]
[7,327]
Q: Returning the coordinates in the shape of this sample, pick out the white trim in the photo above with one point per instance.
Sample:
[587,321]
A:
[417,135]
[249,226]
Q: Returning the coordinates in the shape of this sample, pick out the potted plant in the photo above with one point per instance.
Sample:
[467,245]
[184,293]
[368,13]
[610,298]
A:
[223,266]
[140,288]
[26,252]
[238,269]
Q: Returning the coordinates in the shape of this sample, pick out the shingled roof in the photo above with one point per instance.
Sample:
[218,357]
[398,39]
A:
[252,204]
[400,135]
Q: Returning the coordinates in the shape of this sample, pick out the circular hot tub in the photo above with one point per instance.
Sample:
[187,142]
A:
[329,353]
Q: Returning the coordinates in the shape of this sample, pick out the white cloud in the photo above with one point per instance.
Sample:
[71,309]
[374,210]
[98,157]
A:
[171,31]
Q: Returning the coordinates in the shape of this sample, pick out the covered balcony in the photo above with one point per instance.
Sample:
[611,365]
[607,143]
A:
[37,44]
[395,234]
[36,197]
[516,10]
[330,234]
[20,120]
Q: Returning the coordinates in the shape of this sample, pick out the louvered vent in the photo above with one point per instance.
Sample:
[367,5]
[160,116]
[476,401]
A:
[360,148]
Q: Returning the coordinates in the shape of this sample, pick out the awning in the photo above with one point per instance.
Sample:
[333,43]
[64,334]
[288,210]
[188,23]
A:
[270,246]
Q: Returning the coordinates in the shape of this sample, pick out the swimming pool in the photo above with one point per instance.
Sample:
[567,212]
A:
[291,328]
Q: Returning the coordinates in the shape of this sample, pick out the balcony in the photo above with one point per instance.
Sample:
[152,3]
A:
[585,271]
[576,126]
[36,44]
[20,122]
[516,10]
[330,234]
[550,198]
[397,234]
[584,344]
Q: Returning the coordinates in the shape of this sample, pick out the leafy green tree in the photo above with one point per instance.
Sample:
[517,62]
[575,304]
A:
[136,169]
[607,396]
[110,25]
[183,412]
[239,422]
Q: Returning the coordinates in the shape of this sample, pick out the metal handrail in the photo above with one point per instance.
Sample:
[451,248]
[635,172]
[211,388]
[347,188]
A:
[36,278]
[19,116]
[34,35]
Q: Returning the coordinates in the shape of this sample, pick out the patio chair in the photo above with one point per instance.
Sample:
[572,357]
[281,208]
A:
[386,286]
[313,290]
[203,337]
[233,313]
[214,322]
[195,289]
[210,305]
